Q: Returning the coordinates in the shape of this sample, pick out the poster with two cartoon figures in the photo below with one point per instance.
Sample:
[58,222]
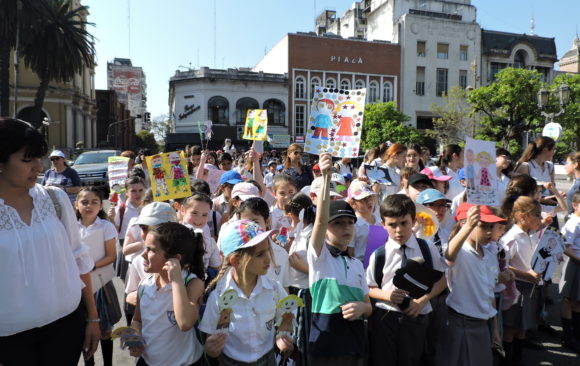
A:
[168,174]
[256,126]
[480,173]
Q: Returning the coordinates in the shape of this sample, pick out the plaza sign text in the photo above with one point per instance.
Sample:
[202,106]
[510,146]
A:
[346,59]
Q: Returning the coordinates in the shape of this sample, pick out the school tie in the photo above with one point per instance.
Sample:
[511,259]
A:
[404,260]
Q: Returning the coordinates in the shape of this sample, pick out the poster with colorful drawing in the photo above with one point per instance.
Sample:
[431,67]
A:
[480,172]
[256,125]
[117,172]
[335,122]
[549,253]
[168,174]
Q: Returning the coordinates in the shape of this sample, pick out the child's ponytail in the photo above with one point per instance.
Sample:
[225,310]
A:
[223,270]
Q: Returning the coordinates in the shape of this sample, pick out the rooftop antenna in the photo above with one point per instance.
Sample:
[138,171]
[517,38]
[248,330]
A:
[533,26]
[214,34]
[129,26]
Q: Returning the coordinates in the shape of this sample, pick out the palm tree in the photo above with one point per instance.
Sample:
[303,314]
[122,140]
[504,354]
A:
[61,48]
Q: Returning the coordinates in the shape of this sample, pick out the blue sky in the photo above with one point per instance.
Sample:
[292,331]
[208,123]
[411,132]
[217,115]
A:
[165,35]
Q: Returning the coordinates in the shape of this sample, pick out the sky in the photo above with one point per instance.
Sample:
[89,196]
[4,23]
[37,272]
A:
[164,36]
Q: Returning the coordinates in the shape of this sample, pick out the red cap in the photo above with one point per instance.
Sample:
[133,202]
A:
[316,167]
[485,213]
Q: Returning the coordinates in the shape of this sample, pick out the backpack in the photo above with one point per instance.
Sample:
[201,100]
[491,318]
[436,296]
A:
[380,256]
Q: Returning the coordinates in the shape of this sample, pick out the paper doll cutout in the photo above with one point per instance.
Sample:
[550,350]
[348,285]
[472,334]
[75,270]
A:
[377,174]
[169,178]
[178,172]
[484,160]
[549,253]
[322,122]
[256,125]
[286,322]
[159,175]
[129,337]
[226,302]
[469,169]
[479,162]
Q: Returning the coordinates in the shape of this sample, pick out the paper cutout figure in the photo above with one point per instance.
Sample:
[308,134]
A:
[129,337]
[417,277]
[256,125]
[213,177]
[168,176]
[226,302]
[377,174]
[549,253]
[483,190]
[335,122]
[117,172]
[286,322]
[208,129]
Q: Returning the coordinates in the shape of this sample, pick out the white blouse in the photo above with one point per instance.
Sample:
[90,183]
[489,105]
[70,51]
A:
[40,263]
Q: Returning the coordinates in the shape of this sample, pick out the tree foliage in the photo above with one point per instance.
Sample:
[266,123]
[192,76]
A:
[455,119]
[146,140]
[570,119]
[383,122]
[161,126]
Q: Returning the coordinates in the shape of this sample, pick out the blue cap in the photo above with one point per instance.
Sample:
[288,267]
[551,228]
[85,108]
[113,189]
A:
[231,177]
[280,167]
[461,173]
[430,195]
[242,234]
[347,176]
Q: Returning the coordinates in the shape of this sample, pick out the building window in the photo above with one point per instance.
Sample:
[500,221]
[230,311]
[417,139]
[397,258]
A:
[330,83]
[359,84]
[218,110]
[299,88]
[463,79]
[441,82]
[387,91]
[463,53]
[373,94]
[442,51]
[421,49]
[299,119]
[520,59]
[345,84]
[242,106]
[314,82]
[276,111]
[424,123]
[420,81]
[494,68]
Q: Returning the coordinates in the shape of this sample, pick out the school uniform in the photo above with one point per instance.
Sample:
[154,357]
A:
[471,280]
[279,270]
[211,255]
[252,332]
[570,282]
[455,186]
[279,218]
[335,280]
[392,335]
[131,211]
[165,343]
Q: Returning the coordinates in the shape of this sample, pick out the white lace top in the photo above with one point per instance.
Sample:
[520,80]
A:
[40,264]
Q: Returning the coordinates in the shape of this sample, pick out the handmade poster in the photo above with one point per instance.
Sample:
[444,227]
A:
[213,177]
[480,173]
[335,122]
[117,171]
[129,337]
[168,174]
[226,302]
[377,236]
[377,174]
[549,253]
[286,315]
[256,126]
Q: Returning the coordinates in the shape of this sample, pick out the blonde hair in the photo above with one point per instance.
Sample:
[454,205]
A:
[483,154]
[291,149]
[524,205]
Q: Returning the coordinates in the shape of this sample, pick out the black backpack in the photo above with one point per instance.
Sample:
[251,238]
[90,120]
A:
[380,256]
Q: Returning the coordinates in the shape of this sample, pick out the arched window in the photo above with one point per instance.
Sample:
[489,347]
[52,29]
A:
[242,106]
[359,84]
[330,83]
[520,59]
[276,111]
[27,114]
[387,91]
[299,88]
[314,82]
[373,92]
[218,109]
[345,84]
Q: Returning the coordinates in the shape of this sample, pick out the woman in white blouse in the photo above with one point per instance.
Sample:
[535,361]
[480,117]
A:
[47,310]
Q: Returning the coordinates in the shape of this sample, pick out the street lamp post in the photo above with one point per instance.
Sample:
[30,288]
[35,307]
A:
[552,129]
[115,123]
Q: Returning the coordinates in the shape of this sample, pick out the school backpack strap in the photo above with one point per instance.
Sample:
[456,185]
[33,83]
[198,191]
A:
[424,246]
[56,203]
[380,258]
[214,221]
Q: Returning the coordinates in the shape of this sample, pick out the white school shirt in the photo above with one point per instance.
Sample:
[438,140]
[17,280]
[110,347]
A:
[211,256]
[393,261]
[269,179]
[300,245]
[135,231]
[252,332]
[471,281]
[571,232]
[40,263]
[279,270]
[106,226]
[457,200]
[521,248]
[130,212]
[135,274]
[455,186]
[361,236]
[279,218]
[540,173]
[221,204]
[502,184]
[165,343]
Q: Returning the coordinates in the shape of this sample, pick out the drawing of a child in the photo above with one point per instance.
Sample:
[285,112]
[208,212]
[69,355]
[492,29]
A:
[469,169]
[249,132]
[177,172]
[260,124]
[345,125]
[484,160]
[322,122]
[158,175]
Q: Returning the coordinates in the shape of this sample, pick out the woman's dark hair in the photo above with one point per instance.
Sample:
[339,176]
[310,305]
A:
[299,202]
[195,150]
[447,156]
[137,172]
[174,239]
[536,147]
[256,205]
[224,157]
[16,135]
[97,192]
[418,150]
[501,151]
[198,185]
[518,186]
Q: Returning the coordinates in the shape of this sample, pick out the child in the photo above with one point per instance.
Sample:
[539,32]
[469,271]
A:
[523,315]
[169,298]
[225,161]
[472,275]
[396,334]
[215,218]
[337,320]
[269,177]
[227,182]
[570,282]
[251,336]
[363,201]
[284,187]
[93,223]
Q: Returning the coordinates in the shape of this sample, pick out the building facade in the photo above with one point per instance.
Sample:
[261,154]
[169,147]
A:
[570,62]
[115,126]
[130,84]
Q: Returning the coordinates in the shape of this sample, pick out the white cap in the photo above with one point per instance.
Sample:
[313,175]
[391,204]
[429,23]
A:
[57,153]
[316,187]
[156,213]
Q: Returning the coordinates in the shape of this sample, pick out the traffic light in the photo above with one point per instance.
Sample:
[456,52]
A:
[147,117]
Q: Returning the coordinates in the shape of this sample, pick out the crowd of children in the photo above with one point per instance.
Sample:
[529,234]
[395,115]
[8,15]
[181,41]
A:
[205,275]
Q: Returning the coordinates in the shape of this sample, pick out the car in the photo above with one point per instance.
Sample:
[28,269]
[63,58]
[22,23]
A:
[92,166]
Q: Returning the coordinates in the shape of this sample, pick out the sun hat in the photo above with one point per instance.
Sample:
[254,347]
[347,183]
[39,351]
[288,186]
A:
[245,190]
[359,190]
[436,176]
[57,153]
[316,187]
[485,213]
[430,195]
[156,213]
[340,208]
[242,234]
[230,177]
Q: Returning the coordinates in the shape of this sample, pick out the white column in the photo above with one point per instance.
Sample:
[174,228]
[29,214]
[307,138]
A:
[69,129]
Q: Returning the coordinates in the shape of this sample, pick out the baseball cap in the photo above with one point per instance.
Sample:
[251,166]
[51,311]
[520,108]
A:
[435,176]
[419,178]
[359,190]
[461,173]
[316,186]
[316,167]
[347,176]
[485,213]
[57,153]
[245,190]
[242,234]
[231,177]
[431,195]
[280,167]
[156,213]
[340,208]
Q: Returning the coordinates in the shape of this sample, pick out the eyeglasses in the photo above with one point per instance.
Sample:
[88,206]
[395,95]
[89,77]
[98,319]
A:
[438,206]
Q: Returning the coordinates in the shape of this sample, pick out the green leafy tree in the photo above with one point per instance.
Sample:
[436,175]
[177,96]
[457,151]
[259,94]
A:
[570,119]
[455,120]
[508,107]
[146,140]
[383,122]
[161,126]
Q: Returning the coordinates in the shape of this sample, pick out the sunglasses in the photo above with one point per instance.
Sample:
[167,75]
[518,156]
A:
[55,158]
[444,205]
[298,153]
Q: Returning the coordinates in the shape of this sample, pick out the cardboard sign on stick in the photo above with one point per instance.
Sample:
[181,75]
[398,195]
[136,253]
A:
[480,172]
[168,174]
